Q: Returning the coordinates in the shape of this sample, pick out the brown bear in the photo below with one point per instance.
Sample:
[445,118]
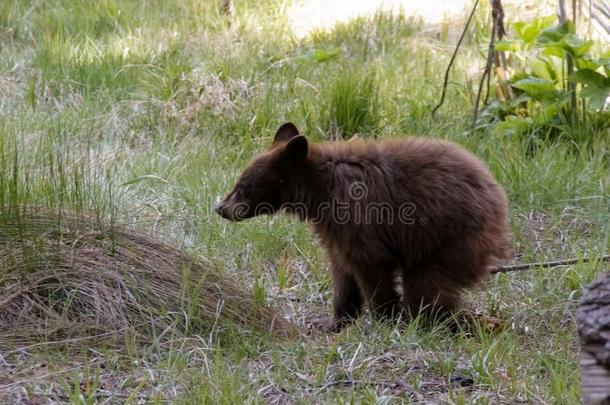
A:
[406,223]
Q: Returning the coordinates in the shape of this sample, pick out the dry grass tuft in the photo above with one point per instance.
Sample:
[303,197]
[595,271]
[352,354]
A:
[66,277]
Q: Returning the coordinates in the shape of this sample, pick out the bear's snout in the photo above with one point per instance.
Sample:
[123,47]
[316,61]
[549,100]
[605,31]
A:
[218,208]
[222,209]
[232,211]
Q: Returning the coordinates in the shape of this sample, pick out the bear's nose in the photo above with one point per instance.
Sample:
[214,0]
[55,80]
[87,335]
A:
[218,208]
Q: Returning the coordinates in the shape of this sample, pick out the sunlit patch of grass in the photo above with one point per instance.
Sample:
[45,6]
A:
[118,66]
[368,37]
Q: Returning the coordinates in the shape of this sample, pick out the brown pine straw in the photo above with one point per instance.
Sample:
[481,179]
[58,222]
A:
[66,277]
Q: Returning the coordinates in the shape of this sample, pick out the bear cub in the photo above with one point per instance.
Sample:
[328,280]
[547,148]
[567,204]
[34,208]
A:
[407,223]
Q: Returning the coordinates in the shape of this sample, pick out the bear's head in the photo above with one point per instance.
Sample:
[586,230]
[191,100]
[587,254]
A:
[264,186]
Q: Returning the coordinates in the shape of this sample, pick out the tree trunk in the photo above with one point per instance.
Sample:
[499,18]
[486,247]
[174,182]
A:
[594,333]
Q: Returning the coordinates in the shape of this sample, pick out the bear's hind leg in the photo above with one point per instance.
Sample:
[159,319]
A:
[424,293]
[434,284]
[378,285]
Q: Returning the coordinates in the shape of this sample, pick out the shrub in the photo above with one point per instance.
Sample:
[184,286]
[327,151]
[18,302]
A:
[545,98]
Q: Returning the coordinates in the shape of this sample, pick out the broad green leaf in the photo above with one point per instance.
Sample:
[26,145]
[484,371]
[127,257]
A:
[588,77]
[604,60]
[544,69]
[547,113]
[556,38]
[562,99]
[517,101]
[526,32]
[514,126]
[597,95]
[552,50]
[507,46]
[576,46]
[597,86]
[546,22]
[538,89]
[586,62]
[555,34]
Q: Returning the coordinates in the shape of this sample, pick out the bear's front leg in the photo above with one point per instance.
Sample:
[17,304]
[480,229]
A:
[347,302]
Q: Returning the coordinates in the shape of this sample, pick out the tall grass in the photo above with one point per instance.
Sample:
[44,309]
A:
[352,104]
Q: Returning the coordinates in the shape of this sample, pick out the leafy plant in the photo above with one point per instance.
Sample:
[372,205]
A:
[540,89]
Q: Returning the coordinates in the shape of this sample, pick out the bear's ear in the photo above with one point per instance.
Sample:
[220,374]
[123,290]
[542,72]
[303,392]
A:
[296,150]
[285,132]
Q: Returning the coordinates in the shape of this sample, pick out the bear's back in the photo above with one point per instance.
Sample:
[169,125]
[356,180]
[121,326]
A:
[436,190]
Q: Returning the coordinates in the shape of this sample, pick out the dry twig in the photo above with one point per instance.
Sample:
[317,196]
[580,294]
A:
[543,265]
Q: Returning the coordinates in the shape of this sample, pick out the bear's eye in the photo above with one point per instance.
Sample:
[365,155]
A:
[244,189]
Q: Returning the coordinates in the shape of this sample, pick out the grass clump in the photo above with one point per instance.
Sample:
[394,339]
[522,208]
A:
[352,104]
[65,276]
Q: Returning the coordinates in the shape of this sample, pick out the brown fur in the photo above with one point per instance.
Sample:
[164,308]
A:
[456,220]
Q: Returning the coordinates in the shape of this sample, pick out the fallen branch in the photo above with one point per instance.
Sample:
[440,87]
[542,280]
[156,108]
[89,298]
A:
[544,265]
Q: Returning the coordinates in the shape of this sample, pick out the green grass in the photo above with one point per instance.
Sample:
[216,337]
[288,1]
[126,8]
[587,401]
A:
[146,111]
[352,105]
